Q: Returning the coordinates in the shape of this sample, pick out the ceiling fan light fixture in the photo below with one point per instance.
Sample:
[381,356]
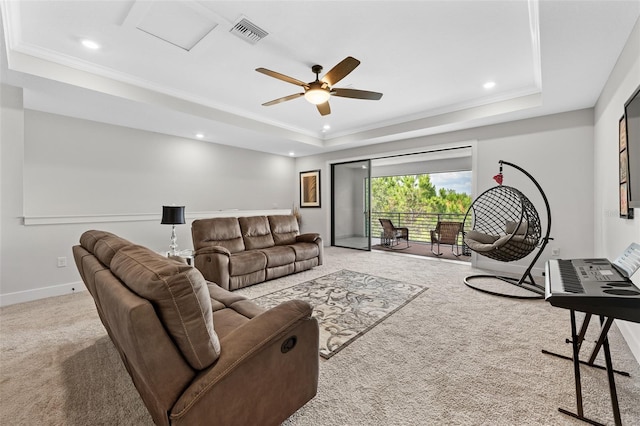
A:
[317,96]
[319,91]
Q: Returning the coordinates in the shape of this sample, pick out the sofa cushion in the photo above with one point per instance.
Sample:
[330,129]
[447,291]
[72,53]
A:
[480,237]
[256,232]
[246,262]
[284,229]
[518,228]
[180,296]
[217,231]
[279,255]
[240,281]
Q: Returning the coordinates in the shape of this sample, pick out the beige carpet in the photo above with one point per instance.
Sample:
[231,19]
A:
[452,356]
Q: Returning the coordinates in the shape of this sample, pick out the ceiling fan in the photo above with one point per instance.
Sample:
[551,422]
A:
[319,91]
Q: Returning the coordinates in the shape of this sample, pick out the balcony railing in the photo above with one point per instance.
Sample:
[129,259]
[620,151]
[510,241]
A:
[419,224]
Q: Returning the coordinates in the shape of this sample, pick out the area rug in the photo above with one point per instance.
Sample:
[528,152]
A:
[346,304]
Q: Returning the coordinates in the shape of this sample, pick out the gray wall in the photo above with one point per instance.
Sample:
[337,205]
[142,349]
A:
[67,161]
[63,176]
[613,234]
[550,148]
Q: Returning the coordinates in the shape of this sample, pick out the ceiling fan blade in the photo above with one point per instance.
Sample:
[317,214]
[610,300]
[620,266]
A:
[324,109]
[341,70]
[282,77]
[356,94]
[283,99]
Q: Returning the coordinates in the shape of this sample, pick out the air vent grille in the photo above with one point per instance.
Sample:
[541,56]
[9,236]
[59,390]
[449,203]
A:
[248,31]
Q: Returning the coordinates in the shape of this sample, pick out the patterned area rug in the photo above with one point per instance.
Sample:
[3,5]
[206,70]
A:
[347,304]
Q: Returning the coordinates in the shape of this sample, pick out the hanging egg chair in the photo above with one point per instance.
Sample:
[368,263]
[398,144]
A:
[505,226]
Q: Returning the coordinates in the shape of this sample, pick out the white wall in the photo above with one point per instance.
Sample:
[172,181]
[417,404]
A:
[11,147]
[61,171]
[550,148]
[133,171]
[613,234]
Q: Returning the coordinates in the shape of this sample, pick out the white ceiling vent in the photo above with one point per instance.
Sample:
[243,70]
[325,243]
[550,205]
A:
[248,31]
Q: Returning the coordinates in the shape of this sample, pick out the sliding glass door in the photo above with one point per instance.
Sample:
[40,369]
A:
[350,206]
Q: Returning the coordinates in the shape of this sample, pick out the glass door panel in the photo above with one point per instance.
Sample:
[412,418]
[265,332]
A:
[350,207]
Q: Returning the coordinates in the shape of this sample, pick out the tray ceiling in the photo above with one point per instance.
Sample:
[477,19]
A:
[185,67]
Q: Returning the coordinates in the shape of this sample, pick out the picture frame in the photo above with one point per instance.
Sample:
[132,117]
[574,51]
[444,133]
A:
[624,201]
[623,174]
[622,134]
[310,189]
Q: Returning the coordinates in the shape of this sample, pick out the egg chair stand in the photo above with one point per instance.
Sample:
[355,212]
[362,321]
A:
[505,226]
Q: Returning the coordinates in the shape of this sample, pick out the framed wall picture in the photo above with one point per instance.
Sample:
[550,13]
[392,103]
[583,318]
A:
[623,176]
[310,189]
[624,200]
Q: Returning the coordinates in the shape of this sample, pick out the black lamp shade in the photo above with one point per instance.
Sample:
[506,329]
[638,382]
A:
[172,215]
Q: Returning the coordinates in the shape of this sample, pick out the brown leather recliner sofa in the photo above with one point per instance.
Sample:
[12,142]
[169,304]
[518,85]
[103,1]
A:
[237,252]
[198,354]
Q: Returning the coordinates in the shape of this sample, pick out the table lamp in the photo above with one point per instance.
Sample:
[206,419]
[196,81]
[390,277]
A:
[173,215]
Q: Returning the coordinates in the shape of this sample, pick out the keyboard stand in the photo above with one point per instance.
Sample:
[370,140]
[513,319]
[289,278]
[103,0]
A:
[596,349]
[602,342]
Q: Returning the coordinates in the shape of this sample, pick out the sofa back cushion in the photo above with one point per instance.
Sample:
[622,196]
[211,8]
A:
[217,231]
[256,232]
[180,296]
[107,247]
[284,229]
[88,239]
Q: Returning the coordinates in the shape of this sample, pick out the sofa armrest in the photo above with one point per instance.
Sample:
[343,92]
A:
[257,364]
[311,237]
[213,263]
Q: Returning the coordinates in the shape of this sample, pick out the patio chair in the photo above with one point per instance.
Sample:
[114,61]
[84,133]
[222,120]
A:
[391,234]
[446,233]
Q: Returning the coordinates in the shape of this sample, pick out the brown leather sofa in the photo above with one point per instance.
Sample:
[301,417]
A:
[237,252]
[198,354]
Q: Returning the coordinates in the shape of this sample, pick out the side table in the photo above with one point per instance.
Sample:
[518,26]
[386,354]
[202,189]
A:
[187,255]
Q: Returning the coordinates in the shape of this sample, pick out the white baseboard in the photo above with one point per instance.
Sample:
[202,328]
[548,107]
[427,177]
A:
[492,265]
[41,293]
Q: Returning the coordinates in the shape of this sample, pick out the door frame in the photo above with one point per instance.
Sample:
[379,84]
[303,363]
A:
[366,202]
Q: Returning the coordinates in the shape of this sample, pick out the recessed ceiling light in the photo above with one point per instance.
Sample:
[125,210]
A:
[326,127]
[199,135]
[489,85]
[90,44]
[291,154]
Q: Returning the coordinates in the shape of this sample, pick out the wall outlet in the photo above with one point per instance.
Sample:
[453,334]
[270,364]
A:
[62,262]
[555,251]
